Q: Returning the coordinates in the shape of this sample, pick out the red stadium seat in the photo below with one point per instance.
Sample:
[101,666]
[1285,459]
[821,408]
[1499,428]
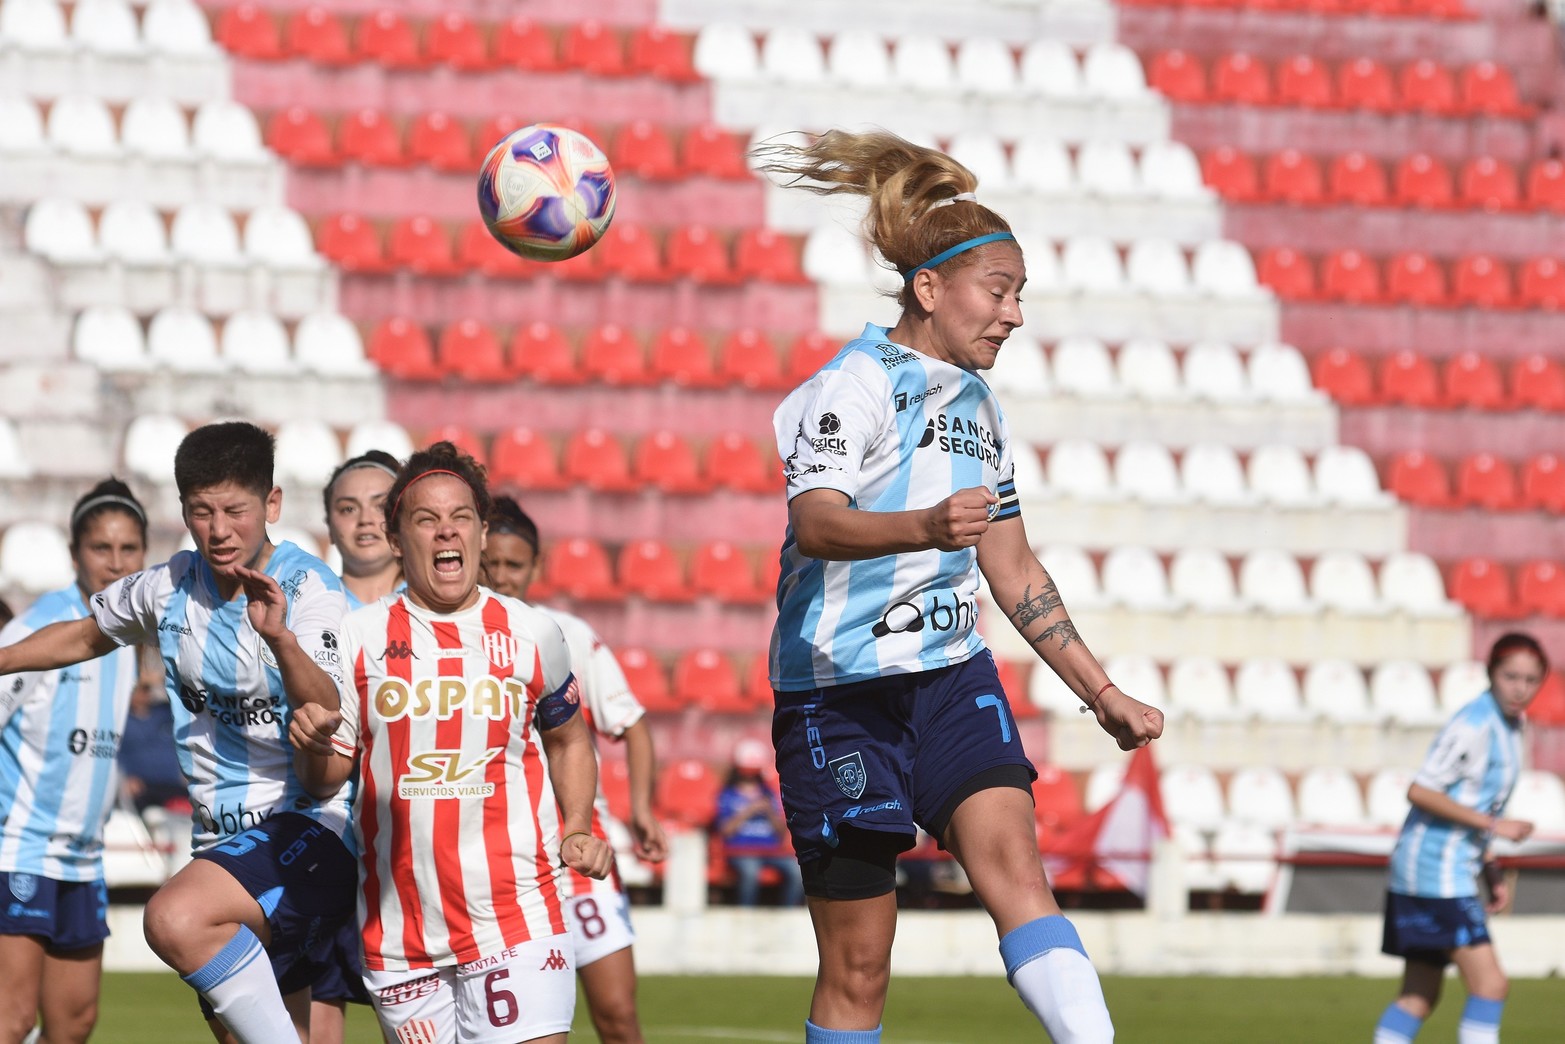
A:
[707,678]
[1304,81]
[1178,76]
[1546,185]
[1424,181]
[593,48]
[758,682]
[664,460]
[1415,278]
[1443,9]
[1359,179]
[1540,588]
[1483,586]
[710,151]
[695,253]
[722,571]
[385,37]
[464,439]
[681,356]
[247,31]
[1418,478]
[1543,483]
[809,352]
[612,355]
[525,458]
[524,44]
[595,459]
[317,35]
[629,252]
[455,41]
[643,149]
[1542,284]
[734,461]
[687,793]
[746,358]
[658,51]
[539,351]
[579,568]
[300,137]
[1473,381]
[1485,481]
[1344,376]
[1241,79]
[478,250]
[1364,83]
[651,570]
[1488,90]
[439,141]
[767,255]
[368,137]
[420,244]
[492,131]
[1482,281]
[1409,379]
[470,350]
[1538,382]
[1057,804]
[1293,177]
[1350,276]
[1428,87]
[1231,174]
[585,267]
[401,348]
[1289,273]
[1491,184]
[1548,707]
[614,777]
[646,678]
[351,243]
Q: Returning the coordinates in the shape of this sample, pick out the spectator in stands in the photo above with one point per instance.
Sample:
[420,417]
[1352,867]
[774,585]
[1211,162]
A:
[752,829]
[1433,914]
[355,498]
[149,763]
[599,911]
[60,730]
[889,713]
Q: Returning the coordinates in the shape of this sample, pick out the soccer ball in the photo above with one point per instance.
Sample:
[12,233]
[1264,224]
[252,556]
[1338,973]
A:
[546,192]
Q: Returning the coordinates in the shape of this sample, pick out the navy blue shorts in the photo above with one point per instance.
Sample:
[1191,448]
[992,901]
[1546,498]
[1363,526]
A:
[1425,929]
[341,978]
[890,754]
[66,915]
[306,880]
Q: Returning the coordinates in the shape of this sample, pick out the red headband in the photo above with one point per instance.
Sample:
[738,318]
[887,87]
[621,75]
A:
[395,504]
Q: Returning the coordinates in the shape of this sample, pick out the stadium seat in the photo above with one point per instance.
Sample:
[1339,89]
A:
[1179,76]
[1080,469]
[644,150]
[1134,577]
[1484,587]
[452,39]
[808,353]
[1330,796]
[1056,801]
[1546,185]
[35,558]
[1410,581]
[1103,782]
[595,458]
[384,36]
[385,435]
[1386,803]
[523,457]
[247,31]
[1202,578]
[687,792]
[352,243]
[1540,588]
[579,568]
[1213,371]
[1400,692]
[711,151]
[793,55]
[522,43]
[155,128]
[1277,372]
[1427,87]
[81,125]
[1138,674]
[746,358]
[734,462]
[1415,278]
[664,460]
[182,340]
[646,678]
[435,139]
[463,438]
[1199,687]
[721,570]
[650,568]
[1231,174]
[1271,580]
[1358,179]
[277,237]
[766,255]
[612,355]
[986,65]
[317,35]
[1192,796]
[1021,369]
[1490,183]
[1073,573]
[150,443]
[1542,284]
[631,253]
[329,345]
[1156,267]
[368,137]
[1418,478]
[1084,369]
[1224,269]
[1244,858]
[1350,276]
[1293,177]
[420,245]
[1364,83]
[131,231]
[60,230]
[1472,381]
[1543,483]
[727,52]
[307,452]
[468,349]
[1268,690]
[1289,274]
[594,48]
[1345,475]
[858,58]
[1304,81]
[654,50]
[707,679]
[1409,379]
[205,233]
[1145,471]
[540,352]
[110,338]
[1279,475]
[1211,473]
[1538,382]
[1461,683]
[1169,170]
[176,28]
[1487,89]
[1539,798]
[1548,708]
[255,342]
[1261,797]
[1342,581]
[694,253]
[402,349]
[984,155]
[1482,281]
[681,356]
[478,250]
[13,460]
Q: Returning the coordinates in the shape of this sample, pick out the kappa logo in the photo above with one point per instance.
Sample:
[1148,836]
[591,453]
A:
[398,651]
[848,771]
[501,649]
[554,962]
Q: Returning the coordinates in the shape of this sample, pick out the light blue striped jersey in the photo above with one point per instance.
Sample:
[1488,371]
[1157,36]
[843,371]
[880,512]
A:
[59,737]
[894,430]
[1474,761]
[230,712]
[353,599]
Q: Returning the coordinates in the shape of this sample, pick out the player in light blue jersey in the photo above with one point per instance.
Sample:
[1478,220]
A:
[59,737]
[1434,916]
[248,633]
[889,714]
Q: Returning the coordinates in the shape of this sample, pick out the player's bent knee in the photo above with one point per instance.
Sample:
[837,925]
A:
[17,1019]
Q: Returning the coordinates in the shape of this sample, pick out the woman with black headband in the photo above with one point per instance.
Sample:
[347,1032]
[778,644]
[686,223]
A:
[59,737]
[889,714]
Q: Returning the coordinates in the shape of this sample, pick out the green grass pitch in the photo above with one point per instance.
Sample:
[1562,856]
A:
[159,1009]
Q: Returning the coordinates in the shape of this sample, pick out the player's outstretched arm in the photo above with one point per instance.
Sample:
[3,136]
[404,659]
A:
[303,679]
[320,766]
[58,645]
[641,760]
[573,770]
[1026,594]
[827,527]
[1437,803]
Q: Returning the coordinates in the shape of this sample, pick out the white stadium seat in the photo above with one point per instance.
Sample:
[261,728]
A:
[1539,798]
[177,27]
[111,339]
[1082,367]
[60,230]
[1030,477]
[1137,675]
[1461,683]
[791,55]
[255,342]
[82,126]
[1049,694]
[859,59]
[1091,265]
[835,256]
[227,130]
[105,27]
[1335,690]
[1410,581]
[35,557]
[1170,171]
[1341,580]
[1400,691]
[1145,471]
[1042,166]
[986,66]
[1271,579]
[1021,368]
[1260,795]
[1278,373]
[1211,473]
[1147,367]
[982,154]
[1267,688]
[1244,857]
[923,62]
[328,344]
[726,52]
[1043,264]
[21,127]
[1078,468]
[1213,371]
[307,452]
[1329,796]
[1050,70]
[183,341]
[1200,874]
[1105,168]
[1103,782]
[205,234]
[150,442]
[33,25]
[1386,804]
[1202,578]
[155,128]
[132,231]
[13,462]
[1345,476]
[1113,71]
[278,236]
[1192,796]
[1199,687]
[1155,266]
[1134,577]
[1073,573]
[382,435]
[1224,269]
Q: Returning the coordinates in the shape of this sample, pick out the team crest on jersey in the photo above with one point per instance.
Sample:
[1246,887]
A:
[24,886]
[848,771]
[418,1031]
[501,649]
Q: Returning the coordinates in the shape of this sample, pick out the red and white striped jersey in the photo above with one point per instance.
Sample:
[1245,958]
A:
[457,825]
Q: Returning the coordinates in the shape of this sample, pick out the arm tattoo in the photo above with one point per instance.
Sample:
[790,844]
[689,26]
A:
[1065,631]
[1036,607]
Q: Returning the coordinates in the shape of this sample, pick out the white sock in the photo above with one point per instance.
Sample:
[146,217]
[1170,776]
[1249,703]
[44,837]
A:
[239,985]
[1047,966]
[1480,1021]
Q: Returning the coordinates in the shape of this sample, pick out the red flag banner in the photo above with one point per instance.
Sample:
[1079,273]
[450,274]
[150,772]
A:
[1111,849]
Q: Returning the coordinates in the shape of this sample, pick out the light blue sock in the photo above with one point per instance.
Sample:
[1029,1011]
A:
[814,1034]
[1480,1021]
[239,984]
[1047,965]
[1397,1025]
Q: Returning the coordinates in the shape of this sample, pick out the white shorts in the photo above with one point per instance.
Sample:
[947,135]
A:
[528,991]
[600,923]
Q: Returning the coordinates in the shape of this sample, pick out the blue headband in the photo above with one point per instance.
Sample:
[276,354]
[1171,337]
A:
[962,247]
